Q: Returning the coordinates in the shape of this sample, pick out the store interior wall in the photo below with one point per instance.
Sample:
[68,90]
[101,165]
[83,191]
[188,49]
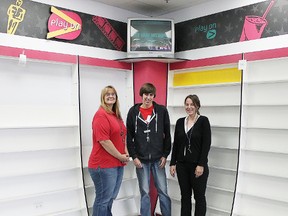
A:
[263,44]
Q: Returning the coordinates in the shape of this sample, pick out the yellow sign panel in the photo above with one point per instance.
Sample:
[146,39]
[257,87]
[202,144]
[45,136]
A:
[228,75]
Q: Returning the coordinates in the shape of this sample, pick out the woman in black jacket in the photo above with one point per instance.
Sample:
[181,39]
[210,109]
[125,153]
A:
[192,141]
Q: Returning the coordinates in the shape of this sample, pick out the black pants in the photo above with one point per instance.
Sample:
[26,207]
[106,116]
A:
[188,183]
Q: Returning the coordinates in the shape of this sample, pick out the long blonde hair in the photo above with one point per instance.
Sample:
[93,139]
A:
[116,106]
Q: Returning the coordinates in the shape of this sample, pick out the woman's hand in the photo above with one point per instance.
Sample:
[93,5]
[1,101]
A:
[199,171]
[111,149]
[173,170]
[124,158]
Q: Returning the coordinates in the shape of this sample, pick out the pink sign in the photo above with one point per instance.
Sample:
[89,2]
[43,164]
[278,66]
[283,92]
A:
[254,25]
[64,25]
[253,28]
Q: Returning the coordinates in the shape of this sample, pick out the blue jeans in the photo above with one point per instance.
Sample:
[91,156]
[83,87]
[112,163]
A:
[107,183]
[159,174]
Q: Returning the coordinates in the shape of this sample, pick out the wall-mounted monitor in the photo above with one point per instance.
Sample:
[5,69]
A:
[150,37]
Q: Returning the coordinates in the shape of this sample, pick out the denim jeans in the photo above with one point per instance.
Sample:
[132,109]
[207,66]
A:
[107,184]
[159,174]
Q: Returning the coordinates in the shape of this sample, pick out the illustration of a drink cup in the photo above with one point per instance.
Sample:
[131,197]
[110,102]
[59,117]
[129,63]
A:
[254,25]
[253,28]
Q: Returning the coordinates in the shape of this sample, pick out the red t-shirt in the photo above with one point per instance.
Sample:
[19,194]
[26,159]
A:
[146,112]
[106,126]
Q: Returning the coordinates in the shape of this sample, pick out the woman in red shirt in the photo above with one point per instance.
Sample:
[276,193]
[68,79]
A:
[109,153]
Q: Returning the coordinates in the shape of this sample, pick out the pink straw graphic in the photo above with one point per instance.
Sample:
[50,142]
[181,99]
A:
[254,26]
[268,9]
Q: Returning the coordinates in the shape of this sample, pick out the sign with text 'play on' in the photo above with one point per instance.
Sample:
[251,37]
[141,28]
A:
[64,24]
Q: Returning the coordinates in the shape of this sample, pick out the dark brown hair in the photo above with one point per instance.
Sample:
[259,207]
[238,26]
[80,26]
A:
[147,88]
[195,101]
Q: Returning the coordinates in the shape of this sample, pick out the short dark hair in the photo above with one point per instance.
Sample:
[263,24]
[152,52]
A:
[147,88]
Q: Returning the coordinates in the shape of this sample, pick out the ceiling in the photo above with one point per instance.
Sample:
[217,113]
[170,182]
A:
[152,8]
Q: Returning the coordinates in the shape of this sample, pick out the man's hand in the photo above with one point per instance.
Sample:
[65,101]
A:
[162,162]
[137,163]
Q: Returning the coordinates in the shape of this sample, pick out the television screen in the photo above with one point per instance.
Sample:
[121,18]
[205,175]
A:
[150,38]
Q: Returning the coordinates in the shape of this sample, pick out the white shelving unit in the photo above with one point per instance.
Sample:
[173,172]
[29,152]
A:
[221,104]
[92,80]
[39,139]
[41,174]
[263,179]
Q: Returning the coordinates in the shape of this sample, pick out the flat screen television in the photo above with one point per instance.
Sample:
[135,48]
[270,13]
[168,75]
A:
[150,37]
